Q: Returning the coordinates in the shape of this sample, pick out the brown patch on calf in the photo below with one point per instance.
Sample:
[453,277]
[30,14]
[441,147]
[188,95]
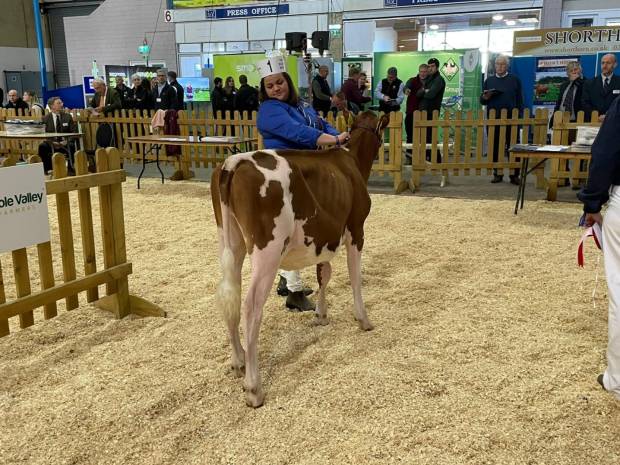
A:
[319,272]
[265,160]
[255,214]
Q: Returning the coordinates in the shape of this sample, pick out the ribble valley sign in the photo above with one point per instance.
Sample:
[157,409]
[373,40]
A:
[23,207]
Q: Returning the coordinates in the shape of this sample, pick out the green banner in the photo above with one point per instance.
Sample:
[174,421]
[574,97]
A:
[460,69]
[236,65]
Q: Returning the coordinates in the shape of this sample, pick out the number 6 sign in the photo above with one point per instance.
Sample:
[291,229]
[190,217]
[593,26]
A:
[168,18]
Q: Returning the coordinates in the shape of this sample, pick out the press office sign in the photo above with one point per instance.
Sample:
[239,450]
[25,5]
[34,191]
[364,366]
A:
[246,11]
[567,41]
[23,207]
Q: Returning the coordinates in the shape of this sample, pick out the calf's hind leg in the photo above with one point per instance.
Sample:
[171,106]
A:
[264,268]
[228,296]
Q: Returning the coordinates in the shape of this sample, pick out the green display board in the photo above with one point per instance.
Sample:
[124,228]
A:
[460,69]
[236,65]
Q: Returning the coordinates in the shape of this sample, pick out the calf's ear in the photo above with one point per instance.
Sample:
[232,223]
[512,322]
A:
[382,123]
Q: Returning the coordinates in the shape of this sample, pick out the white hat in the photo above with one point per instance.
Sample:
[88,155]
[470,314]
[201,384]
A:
[272,65]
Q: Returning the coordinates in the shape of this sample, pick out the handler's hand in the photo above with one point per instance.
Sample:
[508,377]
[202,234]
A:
[344,137]
[592,218]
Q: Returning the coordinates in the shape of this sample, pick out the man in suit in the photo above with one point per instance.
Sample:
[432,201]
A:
[106,99]
[57,121]
[600,92]
[177,93]
[430,97]
[162,91]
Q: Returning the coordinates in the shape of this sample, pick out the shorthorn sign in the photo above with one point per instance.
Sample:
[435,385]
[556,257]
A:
[567,41]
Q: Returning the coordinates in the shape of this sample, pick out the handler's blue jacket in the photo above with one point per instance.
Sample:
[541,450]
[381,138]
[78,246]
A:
[605,164]
[287,127]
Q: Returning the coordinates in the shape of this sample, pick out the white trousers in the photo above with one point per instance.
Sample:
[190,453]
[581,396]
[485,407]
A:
[611,253]
[293,280]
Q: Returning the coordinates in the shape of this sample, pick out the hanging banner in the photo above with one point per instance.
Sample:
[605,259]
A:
[566,41]
[23,207]
[246,12]
[397,3]
[213,3]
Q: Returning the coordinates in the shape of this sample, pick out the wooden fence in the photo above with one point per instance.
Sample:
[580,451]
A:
[463,139]
[466,141]
[108,181]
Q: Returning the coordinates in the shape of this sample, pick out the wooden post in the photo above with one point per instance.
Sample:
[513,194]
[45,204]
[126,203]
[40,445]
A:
[86,226]
[22,283]
[65,230]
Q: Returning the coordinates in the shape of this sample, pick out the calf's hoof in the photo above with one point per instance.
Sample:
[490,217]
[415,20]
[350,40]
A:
[254,397]
[366,325]
[320,321]
[238,370]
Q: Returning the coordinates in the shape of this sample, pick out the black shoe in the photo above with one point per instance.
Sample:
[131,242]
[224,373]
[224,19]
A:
[514,179]
[497,178]
[283,290]
[599,380]
[298,302]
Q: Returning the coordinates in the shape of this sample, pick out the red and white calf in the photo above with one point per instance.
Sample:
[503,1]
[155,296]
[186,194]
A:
[290,209]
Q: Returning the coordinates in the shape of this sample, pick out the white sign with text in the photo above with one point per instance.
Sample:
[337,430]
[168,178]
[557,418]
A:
[23,207]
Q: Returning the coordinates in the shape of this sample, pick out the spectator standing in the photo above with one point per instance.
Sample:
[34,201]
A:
[229,92]
[162,92]
[390,92]
[321,92]
[106,99]
[177,94]
[364,87]
[141,97]
[570,98]
[601,91]
[412,87]
[1,97]
[430,98]
[217,99]
[502,91]
[246,99]
[30,97]
[123,91]
[58,121]
[15,102]
[351,88]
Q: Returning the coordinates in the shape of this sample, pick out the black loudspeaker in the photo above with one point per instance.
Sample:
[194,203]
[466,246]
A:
[295,41]
[320,40]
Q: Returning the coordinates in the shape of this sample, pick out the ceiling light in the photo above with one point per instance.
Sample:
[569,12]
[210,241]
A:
[434,27]
[498,17]
[510,22]
[401,46]
[528,19]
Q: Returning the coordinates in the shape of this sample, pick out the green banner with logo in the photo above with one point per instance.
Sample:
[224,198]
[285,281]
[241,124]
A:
[236,65]
[460,69]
